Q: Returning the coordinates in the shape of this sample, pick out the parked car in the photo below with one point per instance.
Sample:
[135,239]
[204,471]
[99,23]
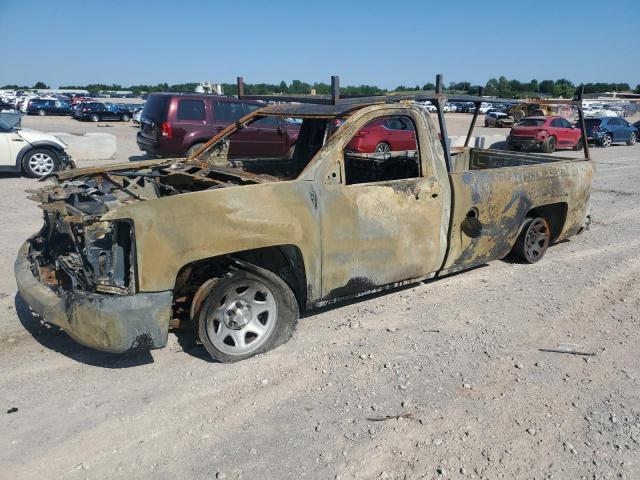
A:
[242,249]
[497,119]
[177,124]
[546,133]
[34,153]
[99,111]
[637,125]
[391,134]
[605,131]
[137,114]
[48,107]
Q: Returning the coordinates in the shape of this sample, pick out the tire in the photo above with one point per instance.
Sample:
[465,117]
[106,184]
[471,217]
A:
[125,118]
[40,162]
[533,240]
[194,148]
[383,147]
[230,321]
[579,145]
[606,141]
[632,139]
[95,118]
[549,145]
[41,113]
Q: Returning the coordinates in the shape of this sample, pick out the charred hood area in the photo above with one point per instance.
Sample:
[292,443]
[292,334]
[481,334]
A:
[75,250]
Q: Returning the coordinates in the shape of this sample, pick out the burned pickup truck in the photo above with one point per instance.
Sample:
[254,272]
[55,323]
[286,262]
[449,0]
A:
[239,247]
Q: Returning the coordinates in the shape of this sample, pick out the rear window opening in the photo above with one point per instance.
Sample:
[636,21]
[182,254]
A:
[530,122]
[155,108]
[592,122]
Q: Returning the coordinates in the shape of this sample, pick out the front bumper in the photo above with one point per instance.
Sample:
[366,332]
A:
[111,323]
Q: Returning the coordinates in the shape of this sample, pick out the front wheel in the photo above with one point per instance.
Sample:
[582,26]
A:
[40,162]
[125,118]
[245,313]
[95,118]
[533,240]
[632,139]
[42,113]
[579,145]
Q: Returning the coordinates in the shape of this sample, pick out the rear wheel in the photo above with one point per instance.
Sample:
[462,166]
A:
[40,162]
[533,240]
[245,313]
[606,141]
[383,147]
[95,118]
[125,118]
[194,149]
[632,139]
[549,145]
[42,113]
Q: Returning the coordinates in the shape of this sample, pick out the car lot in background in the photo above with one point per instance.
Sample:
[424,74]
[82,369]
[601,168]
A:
[604,131]
[177,124]
[545,133]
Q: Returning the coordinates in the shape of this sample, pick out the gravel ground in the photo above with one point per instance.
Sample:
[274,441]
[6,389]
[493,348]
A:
[457,359]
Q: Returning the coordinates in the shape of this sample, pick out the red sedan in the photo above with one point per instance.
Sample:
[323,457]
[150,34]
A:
[546,133]
[390,134]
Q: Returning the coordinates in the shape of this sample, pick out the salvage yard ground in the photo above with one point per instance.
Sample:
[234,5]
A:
[460,356]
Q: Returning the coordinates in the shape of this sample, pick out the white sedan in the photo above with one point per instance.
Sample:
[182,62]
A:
[34,153]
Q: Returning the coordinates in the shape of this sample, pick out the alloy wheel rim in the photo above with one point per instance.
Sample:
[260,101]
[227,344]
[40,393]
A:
[383,148]
[633,139]
[41,164]
[606,141]
[241,319]
[537,240]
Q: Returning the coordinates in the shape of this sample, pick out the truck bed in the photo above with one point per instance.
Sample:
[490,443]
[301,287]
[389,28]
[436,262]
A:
[479,159]
[500,198]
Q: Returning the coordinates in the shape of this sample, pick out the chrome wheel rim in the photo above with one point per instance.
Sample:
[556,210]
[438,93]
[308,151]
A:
[606,141]
[383,148]
[240,320]
[537,240]
[633,139]
[41,164]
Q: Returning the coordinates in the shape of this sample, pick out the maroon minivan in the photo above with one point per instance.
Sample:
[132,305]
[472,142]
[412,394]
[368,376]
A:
[177,124]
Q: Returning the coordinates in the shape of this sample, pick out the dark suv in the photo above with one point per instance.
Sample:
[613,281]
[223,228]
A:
[48,107]
[605,131]
[177,124]
[99,111]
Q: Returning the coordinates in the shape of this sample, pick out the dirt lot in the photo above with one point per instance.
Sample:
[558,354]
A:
[460,356]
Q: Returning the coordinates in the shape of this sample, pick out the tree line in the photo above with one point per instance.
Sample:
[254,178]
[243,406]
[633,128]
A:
[500,87]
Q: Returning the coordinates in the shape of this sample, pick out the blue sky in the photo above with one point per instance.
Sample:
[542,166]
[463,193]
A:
[384,43]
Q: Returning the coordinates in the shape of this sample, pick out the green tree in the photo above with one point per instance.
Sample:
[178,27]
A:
[41,85]
[491,87]
[428,86]
[563,88]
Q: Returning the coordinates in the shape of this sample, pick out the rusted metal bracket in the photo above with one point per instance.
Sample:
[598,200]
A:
[473,120]
[439,101]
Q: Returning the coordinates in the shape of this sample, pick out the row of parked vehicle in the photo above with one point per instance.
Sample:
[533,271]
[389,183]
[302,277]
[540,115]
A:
[178,124]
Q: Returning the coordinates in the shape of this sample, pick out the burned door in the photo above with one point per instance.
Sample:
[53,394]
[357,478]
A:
[381,222]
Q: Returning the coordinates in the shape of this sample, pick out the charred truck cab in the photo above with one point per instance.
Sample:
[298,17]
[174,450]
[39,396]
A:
[236,245]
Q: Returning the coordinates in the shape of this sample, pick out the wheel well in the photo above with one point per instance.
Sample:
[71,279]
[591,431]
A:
[284,260]
[555,214]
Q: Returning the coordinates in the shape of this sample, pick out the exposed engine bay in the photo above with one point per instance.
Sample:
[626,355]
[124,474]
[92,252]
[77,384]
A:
[76,251]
